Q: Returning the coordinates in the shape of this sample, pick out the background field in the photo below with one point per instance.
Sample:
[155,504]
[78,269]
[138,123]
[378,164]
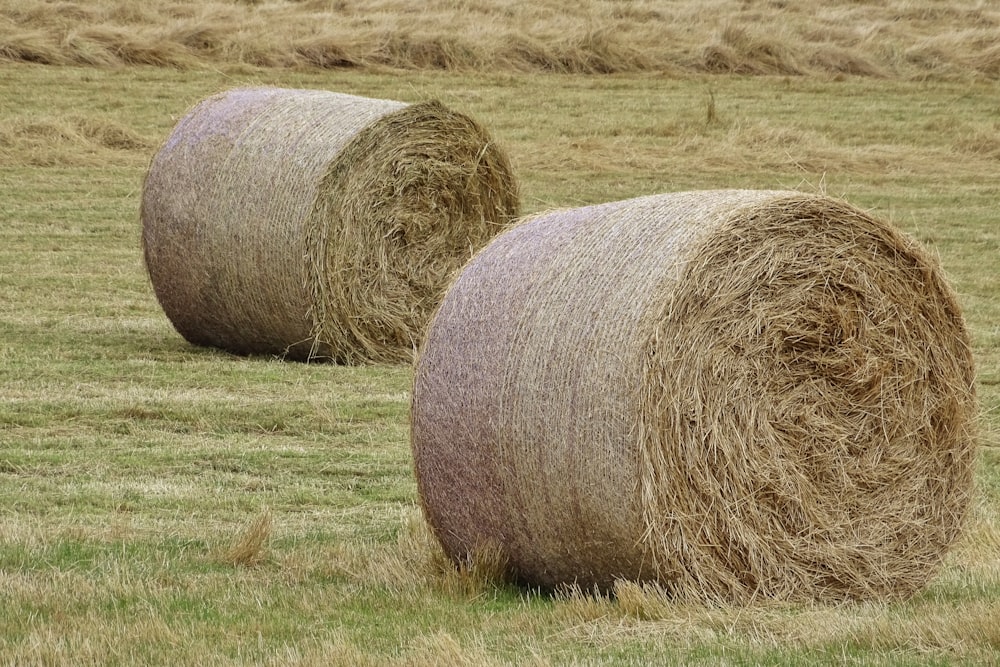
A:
[165,504]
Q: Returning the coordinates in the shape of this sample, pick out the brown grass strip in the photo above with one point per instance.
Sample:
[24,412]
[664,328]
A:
[912,40]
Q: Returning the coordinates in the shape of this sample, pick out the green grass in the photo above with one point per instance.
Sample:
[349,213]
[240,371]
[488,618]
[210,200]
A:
[131,462]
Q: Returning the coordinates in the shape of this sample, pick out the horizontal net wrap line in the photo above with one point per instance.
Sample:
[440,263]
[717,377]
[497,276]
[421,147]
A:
[735,394]
[317,225]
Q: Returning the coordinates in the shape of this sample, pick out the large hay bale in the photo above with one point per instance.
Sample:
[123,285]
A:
[735,394]
[313,224]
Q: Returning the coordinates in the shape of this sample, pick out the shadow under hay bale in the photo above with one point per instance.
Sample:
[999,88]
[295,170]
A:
[317,225]
[738,395]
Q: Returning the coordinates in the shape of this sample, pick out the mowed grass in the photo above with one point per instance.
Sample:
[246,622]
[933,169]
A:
[165,504]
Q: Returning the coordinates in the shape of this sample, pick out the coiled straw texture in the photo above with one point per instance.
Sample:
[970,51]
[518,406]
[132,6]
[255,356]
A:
[738,395]
[317,225]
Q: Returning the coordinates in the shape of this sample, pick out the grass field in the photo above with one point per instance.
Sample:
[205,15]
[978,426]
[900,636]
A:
[165,504]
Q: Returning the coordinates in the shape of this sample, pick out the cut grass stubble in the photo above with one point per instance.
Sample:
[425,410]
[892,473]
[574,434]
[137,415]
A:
[146,457]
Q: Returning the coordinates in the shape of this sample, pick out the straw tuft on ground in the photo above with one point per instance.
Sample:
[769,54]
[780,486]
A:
[316,225]
[737,395]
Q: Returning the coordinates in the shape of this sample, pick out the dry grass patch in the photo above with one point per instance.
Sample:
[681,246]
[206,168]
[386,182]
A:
[415,566]
[67,140]
[883,633]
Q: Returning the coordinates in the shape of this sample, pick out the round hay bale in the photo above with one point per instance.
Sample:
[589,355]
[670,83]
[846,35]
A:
[313,224]
[734,394]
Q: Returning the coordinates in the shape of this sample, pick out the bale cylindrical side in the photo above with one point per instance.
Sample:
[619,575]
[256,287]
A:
[317,225]
[735,394]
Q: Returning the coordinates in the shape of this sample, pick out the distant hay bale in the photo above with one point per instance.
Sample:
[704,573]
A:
[738,395]
[313,224]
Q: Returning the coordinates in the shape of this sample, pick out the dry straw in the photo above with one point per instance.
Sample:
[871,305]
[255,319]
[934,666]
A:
[313,224]
[738,395]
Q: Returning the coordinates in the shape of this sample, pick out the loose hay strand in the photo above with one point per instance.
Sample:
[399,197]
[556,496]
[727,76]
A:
[249,547]
[738,395]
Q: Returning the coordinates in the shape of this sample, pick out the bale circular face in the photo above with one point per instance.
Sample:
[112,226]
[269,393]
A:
[736,394]
[316,225]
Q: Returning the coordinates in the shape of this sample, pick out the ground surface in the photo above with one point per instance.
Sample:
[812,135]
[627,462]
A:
[165,504]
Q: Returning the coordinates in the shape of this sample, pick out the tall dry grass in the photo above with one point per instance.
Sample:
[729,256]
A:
[901,39]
